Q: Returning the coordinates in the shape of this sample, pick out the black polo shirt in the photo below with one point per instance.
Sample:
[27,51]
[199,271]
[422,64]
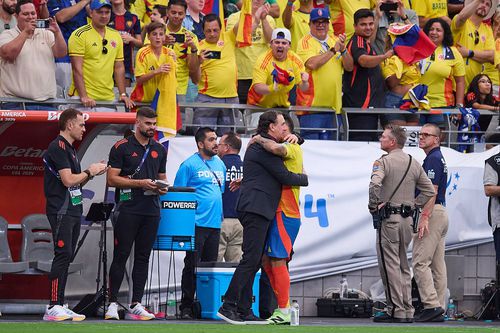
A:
[60,155]
[363,87]
[126,155]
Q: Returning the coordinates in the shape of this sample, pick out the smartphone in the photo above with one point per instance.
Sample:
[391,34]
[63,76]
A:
[212,55]
[161,183]
[43,24]
[179,38]
[389,6]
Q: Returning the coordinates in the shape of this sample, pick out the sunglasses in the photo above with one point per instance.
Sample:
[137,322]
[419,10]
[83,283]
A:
[426,135]
[476,37]
[104,48]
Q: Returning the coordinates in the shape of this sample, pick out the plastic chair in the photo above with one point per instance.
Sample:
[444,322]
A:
[6,263]
[38,244]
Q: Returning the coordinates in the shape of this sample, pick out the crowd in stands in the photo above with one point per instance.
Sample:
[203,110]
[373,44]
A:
[314,53]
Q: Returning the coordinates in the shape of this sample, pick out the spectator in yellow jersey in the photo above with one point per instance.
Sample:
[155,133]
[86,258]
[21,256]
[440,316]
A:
[297,20]
[96,53]
[159,14]
[144,9]
[325,57]
[246,56]
[218,73]
[474,38]
[154,62]
[443,72]
[343,14]
[275,73]
[427,9]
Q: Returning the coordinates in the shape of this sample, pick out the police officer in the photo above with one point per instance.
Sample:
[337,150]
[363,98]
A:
[63,180]
[429,267]
[394,179]
[135,163]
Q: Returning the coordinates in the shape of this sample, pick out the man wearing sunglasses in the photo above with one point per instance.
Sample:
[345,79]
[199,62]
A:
[474,38]
[429,267]
[96,53]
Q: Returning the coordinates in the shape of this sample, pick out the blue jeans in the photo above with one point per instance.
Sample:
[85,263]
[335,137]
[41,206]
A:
[392,101]
[316,120]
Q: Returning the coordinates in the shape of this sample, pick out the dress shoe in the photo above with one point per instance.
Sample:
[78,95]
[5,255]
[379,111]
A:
[429,314]
[230,316]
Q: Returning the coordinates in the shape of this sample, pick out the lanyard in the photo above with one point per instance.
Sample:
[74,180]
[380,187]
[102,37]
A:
[54,172]
[140,164]
[209,168]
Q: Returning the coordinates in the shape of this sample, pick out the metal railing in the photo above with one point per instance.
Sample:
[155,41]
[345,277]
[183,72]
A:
[242,112]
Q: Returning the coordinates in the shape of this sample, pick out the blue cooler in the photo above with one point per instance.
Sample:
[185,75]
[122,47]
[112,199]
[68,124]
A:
[177,216]
[212,281]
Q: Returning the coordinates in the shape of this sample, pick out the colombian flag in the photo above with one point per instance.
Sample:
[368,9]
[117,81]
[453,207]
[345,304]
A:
[215,6]
[410,43]
[244,35]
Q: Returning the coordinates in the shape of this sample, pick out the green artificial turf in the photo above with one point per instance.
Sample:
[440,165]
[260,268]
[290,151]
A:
[211,328]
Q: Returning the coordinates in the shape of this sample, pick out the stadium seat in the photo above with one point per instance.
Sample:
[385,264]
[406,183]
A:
[38,245]
[6,263]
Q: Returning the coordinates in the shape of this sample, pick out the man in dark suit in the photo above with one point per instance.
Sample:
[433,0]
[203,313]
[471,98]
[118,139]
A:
[263,176]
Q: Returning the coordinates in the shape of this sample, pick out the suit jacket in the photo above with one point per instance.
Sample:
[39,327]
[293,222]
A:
[263,176]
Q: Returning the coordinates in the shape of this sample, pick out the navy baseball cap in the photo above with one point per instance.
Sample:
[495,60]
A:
[319,13]
[97,4]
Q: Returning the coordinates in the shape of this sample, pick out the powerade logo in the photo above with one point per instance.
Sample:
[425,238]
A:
[178,204]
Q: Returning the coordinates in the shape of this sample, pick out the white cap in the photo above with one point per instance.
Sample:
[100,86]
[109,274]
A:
[281,33]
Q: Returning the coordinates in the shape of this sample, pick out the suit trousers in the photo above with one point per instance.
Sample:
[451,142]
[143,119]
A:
[429,267]
[393,239]
[239,293]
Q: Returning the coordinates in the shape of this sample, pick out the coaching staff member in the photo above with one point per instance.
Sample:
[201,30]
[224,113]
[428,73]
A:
[62,182]
[263,176]
[135,162]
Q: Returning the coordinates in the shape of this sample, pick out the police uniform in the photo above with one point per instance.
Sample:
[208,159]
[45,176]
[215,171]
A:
[136,214]
[63,209]
[394,235]
[429,267]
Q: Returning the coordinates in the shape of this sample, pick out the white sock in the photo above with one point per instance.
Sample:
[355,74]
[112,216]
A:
[285,310]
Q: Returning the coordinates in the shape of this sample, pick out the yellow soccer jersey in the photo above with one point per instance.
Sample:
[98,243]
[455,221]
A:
[181,52]
[143,9]
[279,20]
[263,71]
[407,74]
[342,13]
[289,201]
[480,39]
[246,56]
[438,72]
[219,76]
[99,57]
[299,28]
[146,62]
[430,8]
[325,83]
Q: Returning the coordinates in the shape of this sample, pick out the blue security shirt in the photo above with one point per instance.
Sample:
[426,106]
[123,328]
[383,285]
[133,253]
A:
[67,28]
[194,172]
[234,170]
[435,168]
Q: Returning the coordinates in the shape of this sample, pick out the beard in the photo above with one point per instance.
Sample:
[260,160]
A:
[148,134]
[209,152]
[9,10]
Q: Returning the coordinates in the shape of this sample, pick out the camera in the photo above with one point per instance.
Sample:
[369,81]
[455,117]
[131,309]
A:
[213,54]
[389,6]
[43,24]
[179,38]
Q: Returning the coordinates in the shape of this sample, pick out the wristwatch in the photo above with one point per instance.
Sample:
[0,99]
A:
[89,175]
[123,95]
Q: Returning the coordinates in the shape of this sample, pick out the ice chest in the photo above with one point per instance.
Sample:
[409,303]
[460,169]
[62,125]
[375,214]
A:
[177,216]
[212,281]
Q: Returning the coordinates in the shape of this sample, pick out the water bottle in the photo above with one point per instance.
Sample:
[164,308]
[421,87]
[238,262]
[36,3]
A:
[451,312]
[294,313]
[343,288]
[171,304]
[156,304]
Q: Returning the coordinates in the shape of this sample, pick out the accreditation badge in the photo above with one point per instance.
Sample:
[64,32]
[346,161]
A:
[75,194]
[125,194]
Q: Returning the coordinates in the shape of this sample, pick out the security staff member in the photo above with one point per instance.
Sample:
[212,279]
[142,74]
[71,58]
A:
[394,179]
[429,267]
[135,163]
[62,182]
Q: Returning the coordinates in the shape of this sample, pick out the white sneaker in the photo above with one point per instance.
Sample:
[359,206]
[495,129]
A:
[57,313]
[74,316]
[112,312]
[139,313]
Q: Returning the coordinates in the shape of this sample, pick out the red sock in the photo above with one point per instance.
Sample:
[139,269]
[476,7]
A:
[282,285]
[269,271]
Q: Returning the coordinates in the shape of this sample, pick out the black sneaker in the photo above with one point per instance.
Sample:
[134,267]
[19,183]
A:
[186,314]
[251,319]
[230,316]
[383,317]
[429,314]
